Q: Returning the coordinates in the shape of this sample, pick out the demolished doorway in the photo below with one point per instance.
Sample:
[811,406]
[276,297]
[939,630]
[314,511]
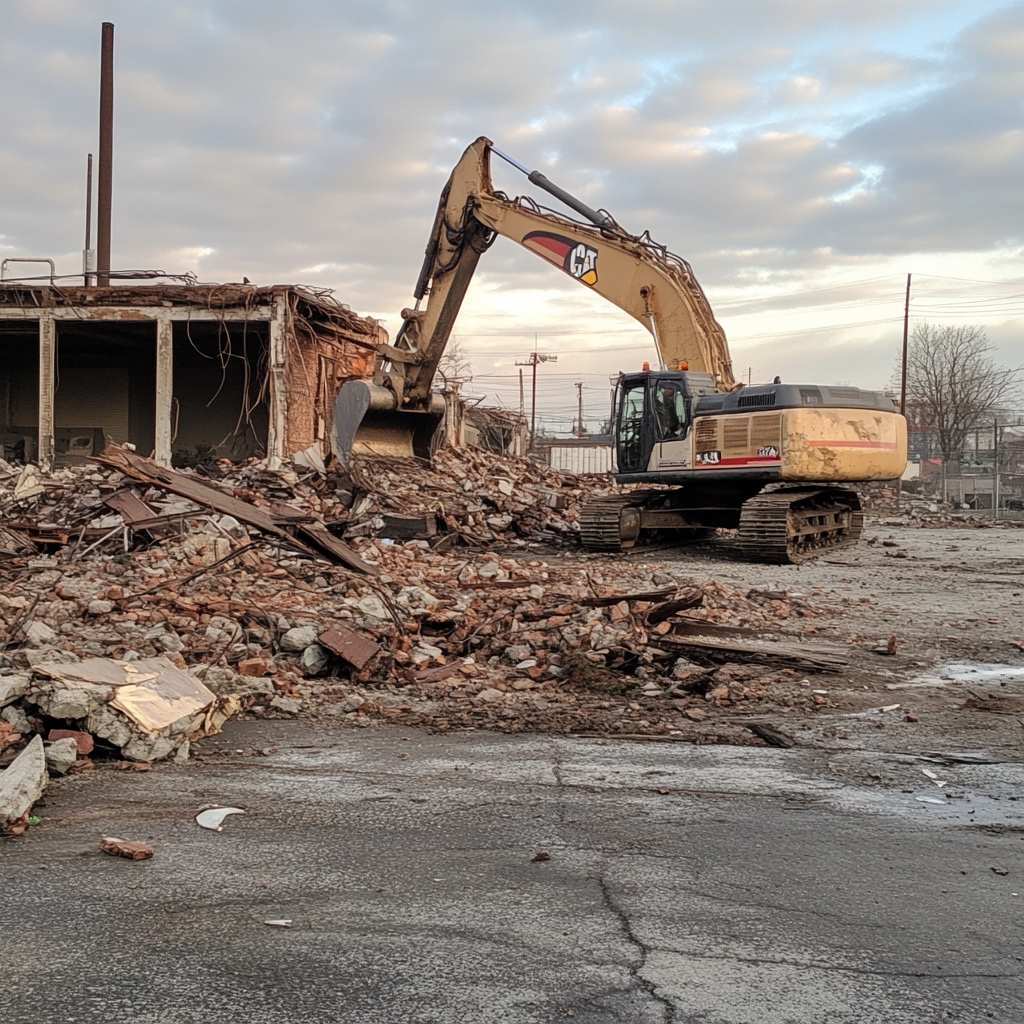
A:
[221,391]
[104,388]
[19,390]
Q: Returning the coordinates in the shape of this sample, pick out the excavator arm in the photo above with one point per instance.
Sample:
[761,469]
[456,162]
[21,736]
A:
[654,286]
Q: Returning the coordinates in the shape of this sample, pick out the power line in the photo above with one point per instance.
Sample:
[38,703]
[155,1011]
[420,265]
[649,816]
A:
[1012,283]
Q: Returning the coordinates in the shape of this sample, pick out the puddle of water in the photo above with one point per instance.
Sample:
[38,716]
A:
[977,673]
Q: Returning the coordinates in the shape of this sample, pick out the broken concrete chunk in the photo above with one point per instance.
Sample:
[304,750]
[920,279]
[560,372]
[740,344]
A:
[22,783]
[67,701]
[353,702]
[223,680]
[286,705]
[39,634]
[60,755]
[149,748]
[373,608]
[16,719]
[517,653]
[415,598]
[28,484]
[422,653]
[299,638]
[146,707]
[12,687]
[684,669]
[489,695]
[315,661]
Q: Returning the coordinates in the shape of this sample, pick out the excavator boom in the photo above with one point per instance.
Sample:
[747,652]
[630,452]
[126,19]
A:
[654,286]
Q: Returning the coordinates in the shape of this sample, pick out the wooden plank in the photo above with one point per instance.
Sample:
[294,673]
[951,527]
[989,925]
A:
[689,599]
[765,652]
[604,600]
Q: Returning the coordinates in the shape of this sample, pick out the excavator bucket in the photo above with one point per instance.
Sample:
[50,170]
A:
[367,421]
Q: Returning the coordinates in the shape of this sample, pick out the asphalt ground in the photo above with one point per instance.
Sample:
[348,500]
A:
[723,885]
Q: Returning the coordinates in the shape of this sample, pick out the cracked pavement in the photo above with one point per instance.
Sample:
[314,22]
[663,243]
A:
[718,885]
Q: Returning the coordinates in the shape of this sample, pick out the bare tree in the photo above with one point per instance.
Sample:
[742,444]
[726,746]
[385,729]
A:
[952,382]
[455,367]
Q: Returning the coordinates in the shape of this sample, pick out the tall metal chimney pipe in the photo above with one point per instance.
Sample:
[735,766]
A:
[88,253]
[106,169]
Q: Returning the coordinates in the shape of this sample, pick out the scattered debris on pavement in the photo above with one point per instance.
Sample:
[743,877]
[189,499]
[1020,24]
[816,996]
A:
[141,607]
[21,785]
[125,848]
[212,818]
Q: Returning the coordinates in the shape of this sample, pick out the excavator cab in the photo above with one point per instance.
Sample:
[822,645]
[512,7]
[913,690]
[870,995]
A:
[654,410]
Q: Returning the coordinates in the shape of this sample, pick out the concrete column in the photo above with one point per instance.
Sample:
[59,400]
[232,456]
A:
[164,390]
[47,362]
[277,432]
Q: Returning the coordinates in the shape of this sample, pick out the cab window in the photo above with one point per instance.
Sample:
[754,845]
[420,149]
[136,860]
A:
[671,412]
[631,421]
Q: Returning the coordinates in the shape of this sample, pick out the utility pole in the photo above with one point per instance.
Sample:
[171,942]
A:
[903,362]
[995,468]
[522,395]
[579,402]
[536,358]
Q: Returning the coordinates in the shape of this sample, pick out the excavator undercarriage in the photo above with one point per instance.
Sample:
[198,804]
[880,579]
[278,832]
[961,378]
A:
[780,525]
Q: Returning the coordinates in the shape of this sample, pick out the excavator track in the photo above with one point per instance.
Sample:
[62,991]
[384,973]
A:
[611,522]
[791,526]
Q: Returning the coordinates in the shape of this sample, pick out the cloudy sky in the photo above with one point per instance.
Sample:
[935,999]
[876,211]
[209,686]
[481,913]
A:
[803,156]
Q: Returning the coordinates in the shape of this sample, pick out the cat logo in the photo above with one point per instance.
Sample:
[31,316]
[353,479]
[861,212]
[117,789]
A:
[577,259]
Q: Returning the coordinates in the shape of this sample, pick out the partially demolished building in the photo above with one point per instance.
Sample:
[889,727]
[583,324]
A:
[180,371]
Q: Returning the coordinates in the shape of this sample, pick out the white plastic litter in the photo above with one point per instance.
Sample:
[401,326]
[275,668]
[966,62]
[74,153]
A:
[213,817]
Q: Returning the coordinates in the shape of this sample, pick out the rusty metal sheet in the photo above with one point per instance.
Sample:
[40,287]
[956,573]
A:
[139,468]
[350,646]
[310,538]
[320,538]
[132,509]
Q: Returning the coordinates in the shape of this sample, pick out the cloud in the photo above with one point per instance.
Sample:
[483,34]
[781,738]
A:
[779,144]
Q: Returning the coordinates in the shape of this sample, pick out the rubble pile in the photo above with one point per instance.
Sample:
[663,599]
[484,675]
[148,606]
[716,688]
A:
[141,607]
[888,507]
[473,495]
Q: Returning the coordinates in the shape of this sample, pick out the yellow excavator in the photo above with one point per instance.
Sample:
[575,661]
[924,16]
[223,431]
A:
[767,460]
